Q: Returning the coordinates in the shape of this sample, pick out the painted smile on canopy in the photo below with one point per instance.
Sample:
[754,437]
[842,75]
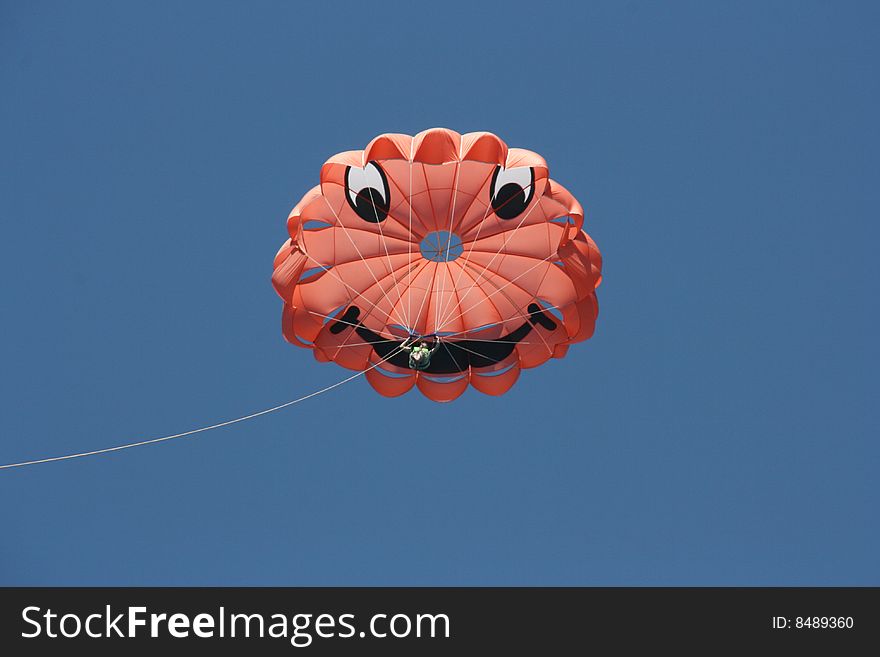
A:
[454,356]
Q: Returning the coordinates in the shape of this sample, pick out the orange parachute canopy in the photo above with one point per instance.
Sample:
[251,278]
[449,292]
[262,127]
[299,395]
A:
[441,234]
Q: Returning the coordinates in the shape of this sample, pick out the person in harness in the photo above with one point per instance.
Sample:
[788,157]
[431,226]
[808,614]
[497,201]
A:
[419,352]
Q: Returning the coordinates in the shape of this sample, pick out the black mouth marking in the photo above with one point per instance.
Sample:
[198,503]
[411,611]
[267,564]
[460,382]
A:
[454,356]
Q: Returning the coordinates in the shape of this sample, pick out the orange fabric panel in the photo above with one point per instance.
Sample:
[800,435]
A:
[495,385]
[436,146]
[442,391]
[390,386]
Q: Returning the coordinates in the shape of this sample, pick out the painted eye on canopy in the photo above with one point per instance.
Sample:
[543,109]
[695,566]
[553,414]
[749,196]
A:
[367,192]
[511,191]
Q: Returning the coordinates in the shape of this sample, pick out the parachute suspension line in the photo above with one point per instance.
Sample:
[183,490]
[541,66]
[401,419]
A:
[209,427]
[507,284]
[461,267]
[331,271]
[429,290]
[500,288]
[446,275]
[479,225]
[351,335]
[485,326]
[388,256]
[366,264]
[336,319]
[501,249]
[409,244]
[459,346]
[445,336]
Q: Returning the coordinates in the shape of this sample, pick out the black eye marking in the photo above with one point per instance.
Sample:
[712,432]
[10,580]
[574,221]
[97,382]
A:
[367,192]
[512,191]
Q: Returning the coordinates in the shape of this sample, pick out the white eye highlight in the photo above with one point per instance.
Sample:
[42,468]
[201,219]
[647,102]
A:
[511,191]
[367,192]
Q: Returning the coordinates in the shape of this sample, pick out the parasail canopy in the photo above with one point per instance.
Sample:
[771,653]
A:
[440,235]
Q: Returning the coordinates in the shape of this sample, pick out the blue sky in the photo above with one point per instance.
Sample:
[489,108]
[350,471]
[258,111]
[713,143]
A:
[720,428]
